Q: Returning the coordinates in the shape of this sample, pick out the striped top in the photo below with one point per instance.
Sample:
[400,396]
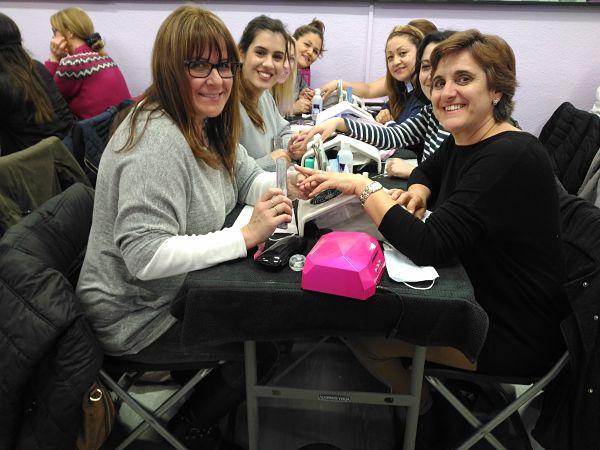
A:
[423,128]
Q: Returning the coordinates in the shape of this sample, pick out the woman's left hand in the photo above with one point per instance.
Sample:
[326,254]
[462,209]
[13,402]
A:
[271,210]
[384,116]
[414,203]
[297,147]
[317,181]
[307,93]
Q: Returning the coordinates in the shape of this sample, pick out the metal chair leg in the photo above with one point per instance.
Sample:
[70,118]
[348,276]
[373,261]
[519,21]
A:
[133,404]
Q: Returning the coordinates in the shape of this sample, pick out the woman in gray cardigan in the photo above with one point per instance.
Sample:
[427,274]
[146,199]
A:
[265,134]
[169,176]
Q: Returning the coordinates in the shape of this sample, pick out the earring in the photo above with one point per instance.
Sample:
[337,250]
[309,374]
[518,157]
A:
[495,101]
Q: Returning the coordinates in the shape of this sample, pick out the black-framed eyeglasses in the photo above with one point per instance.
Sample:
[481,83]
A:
[200,68]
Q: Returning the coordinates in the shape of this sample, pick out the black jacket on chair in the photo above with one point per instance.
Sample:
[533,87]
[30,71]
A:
[572,138]
[48,353]
[570,417]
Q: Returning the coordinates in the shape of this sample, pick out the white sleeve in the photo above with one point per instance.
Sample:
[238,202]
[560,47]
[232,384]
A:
[182,254]
[260,184]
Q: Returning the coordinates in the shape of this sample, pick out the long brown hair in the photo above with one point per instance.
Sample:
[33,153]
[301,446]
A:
[396,89]
[254,27]
[185,34]
[21,70]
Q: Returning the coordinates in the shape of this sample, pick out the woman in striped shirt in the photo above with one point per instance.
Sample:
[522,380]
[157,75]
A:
[423,128]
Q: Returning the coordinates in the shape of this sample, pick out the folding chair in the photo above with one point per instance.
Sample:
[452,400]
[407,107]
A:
[435,375]
[580,222]
[134,367]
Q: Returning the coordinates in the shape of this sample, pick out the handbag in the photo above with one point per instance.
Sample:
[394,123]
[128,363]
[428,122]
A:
[98,418]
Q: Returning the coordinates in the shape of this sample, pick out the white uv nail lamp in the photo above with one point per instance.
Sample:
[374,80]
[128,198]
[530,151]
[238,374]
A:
[362,152]
[341,213]
[354,110]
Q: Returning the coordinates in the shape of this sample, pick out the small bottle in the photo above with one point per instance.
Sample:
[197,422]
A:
[317,104]
[345,158]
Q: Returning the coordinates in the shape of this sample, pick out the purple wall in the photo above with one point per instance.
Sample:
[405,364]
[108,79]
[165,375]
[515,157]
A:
[558,57]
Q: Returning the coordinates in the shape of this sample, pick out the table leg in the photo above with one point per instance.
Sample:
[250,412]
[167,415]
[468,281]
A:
[416,382]
[251,398]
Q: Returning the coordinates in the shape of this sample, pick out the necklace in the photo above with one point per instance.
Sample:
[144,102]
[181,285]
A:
[485,135]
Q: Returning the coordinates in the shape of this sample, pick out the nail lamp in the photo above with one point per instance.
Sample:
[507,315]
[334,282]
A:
[345,263]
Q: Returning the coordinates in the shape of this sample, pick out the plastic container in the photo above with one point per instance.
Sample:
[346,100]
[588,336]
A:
[345,158]
[317,104]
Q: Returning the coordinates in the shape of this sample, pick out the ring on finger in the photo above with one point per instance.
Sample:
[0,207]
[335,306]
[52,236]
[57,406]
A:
[276,210]
[272,203]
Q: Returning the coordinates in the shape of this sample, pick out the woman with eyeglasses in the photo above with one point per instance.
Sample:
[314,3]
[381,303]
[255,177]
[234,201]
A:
[86,76]
[32,108]
[171,173]
[266,135]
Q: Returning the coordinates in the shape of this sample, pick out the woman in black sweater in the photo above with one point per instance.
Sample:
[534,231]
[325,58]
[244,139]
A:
[494,206]
[32,108]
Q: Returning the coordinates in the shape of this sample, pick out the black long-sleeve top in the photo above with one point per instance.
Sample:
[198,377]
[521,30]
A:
[496,208]
[18,130]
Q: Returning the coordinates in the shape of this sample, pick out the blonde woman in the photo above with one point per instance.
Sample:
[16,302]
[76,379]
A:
[85,75]
[283,91]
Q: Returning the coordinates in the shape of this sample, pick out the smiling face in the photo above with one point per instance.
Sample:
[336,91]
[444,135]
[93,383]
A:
[461,98]
[263,62]
[308,48]
[401,57]
[425,72]
[210,94]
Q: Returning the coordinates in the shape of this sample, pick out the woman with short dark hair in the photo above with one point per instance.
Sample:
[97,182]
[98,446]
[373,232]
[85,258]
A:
[495,206]
[32,108]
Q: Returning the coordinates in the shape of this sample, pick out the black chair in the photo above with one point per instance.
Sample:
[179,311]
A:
[48,353]
[65,223]
[572,138]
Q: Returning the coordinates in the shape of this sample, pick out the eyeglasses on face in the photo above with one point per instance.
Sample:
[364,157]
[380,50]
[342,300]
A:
[200,68]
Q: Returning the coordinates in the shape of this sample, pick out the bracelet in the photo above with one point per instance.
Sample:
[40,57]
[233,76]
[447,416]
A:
[370,189]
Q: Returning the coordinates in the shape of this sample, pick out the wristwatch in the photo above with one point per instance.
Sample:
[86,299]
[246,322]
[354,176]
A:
[371,188]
